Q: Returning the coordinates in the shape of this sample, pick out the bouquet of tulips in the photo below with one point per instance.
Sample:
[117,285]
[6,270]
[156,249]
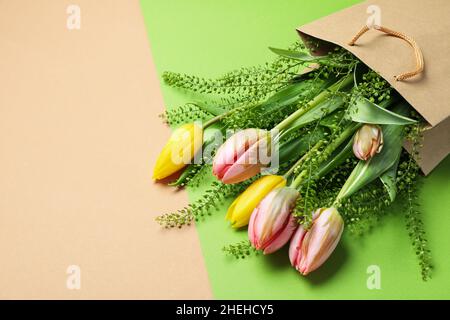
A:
[304,145]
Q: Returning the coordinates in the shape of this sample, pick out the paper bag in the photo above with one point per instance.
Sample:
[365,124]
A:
[428,23]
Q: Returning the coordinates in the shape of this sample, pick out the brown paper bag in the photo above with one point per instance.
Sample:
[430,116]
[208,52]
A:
[428,23]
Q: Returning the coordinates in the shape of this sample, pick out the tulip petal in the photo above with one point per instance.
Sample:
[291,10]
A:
[242,207]
[235,160]
[368,141]
[321,240]
[282,237]
[251,229]
[181,148]
[271,224]
[295,246]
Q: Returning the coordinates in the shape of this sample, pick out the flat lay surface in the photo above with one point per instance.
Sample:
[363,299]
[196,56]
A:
[80,133]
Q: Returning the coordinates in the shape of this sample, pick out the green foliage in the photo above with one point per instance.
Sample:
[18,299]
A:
[203,206]
[408,183]
[325,171]
[256,116]
[277,107]
[240,250]
[252,83]
[296,55]
[389,180]
[338,61]
[296,143]
[331,104]
[365,111]
[364,209]
[373,87]
[367,171]
[192,175]
[186,113]
[305,205]
[309,200]
[201,172]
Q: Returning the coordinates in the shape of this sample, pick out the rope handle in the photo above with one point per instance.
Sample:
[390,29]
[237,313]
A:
[417,52]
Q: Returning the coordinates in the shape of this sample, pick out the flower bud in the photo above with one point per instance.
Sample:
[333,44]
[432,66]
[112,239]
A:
[242,207]
[239,158]
[368,141]
[310,249]
[272,224]
[179,151]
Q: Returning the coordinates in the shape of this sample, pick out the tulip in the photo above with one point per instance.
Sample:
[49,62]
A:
[309,249]
[179,151]
[272,224]
[238,159]
[368,141]
[242,207]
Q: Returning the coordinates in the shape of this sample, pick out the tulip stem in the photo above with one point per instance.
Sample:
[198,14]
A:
[321,97]
[349,131]
[305,157]
[298,180]
[223,115]
[217,118]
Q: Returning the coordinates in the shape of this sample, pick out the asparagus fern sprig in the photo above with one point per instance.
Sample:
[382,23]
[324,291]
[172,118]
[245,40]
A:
[408,183]
[240,250]
[202,207]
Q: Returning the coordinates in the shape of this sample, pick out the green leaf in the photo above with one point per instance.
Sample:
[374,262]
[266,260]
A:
[287,95]
[333,120]
[210,108]
[336,159]
[297,55]
[389,180]
[182,179]
[365,111]
[322,110]
[367,171]
[294,148]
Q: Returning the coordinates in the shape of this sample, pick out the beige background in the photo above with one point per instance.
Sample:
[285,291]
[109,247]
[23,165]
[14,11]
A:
[78,136]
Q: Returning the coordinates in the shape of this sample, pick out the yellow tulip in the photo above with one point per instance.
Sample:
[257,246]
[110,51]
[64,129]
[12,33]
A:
[242,207]
[179,151]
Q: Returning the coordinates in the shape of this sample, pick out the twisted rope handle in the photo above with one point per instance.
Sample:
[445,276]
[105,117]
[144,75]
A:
[417,52]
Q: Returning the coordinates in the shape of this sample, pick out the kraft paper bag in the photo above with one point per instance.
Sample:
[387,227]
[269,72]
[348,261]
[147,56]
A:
[428,23]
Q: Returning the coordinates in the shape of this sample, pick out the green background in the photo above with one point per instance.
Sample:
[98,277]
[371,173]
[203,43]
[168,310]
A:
[208,38]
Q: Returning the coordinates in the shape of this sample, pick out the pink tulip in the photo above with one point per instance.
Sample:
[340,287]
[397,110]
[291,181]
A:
[272,224]
[368,141]
[310,249]
[239,158]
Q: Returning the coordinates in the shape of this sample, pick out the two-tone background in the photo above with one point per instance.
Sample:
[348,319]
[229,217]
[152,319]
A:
[79,134]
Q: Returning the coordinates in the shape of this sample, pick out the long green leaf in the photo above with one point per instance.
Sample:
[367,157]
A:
[335,120]
[336,159]
[365,111]
[294,148]
[389,180]
[325,108]
[320,111]
[287,95]
[297,55]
